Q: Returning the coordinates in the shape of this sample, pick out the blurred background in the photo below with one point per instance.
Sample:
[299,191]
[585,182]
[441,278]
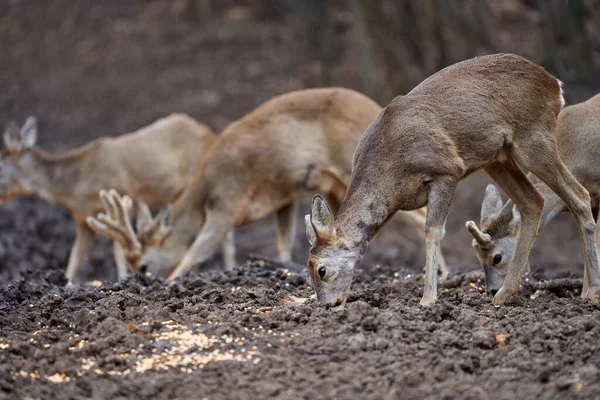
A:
[91,68]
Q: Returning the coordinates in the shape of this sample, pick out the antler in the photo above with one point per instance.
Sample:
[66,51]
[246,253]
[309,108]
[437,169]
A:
[484,239]
[158,227]
[144,221]
[116,222]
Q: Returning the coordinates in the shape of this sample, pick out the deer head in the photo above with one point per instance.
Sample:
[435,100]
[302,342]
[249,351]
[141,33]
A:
[16,143]
[146,247]
[496,240]
[331,262]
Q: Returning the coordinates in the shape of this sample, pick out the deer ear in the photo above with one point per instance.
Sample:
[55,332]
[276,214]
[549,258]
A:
[165,217]
[11,136]
[516,214]
[516,217]
[143,217]
[29,133]
[322,218]
[310,231]
[492,203]
[166,224]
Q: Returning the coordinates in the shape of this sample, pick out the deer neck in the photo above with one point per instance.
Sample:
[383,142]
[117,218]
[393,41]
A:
[188,215]
[359,218]
[53,177]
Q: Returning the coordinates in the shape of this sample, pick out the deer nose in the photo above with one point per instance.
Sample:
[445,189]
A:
[144,269]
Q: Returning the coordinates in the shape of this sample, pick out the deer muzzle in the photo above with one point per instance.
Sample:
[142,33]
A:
[493,280]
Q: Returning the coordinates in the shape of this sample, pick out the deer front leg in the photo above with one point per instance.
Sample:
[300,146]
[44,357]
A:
[213,233]
[120,261]
[285,225]
[228,249]
[441,192]
[416,219]
[83,239]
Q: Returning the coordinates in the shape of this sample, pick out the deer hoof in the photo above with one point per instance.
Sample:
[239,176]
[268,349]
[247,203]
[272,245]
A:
[443,277]
[427,301]
[592,294]
[501,297]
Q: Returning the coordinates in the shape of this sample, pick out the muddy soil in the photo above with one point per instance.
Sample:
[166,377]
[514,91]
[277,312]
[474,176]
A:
[109,67]
[244,334]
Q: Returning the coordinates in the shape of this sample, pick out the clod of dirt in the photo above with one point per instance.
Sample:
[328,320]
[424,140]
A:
[483,338]
[114,333]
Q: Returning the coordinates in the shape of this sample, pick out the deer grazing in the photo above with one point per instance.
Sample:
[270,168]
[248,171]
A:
[496,113]
[293,144]
[153,164]
[578,141]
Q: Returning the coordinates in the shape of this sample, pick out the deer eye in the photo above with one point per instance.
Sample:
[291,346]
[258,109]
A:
[497,259]
[322,271]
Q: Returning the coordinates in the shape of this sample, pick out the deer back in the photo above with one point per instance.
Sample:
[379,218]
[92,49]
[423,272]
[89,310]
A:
[153,164]
[578,140]
[455,122]
[268,156]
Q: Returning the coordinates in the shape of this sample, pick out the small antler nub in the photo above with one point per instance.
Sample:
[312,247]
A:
[484,239]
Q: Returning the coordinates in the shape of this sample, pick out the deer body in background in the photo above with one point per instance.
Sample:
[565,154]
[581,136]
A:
[496,113]
[153,164]
[578,141]
[292,145]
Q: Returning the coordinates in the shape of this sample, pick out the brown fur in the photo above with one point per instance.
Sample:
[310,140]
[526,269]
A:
[496,113]
[292,145]
[578,141]
[153,164]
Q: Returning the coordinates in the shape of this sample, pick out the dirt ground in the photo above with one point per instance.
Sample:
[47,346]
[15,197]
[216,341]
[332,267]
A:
[88,69]
[243,335]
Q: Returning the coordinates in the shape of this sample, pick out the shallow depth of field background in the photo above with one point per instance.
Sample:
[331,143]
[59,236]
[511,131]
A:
[94,68]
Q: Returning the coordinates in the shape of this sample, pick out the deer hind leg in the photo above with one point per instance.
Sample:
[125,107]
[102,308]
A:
[285,226]
[551,170]
[441,192]
[121,261]
[228,250]
[83,240]
[530,203]
[596,202]
[213,233]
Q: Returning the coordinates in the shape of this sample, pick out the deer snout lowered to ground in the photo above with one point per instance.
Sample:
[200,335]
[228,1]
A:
[153,164]
[578,140]
[496,113]
[295,144]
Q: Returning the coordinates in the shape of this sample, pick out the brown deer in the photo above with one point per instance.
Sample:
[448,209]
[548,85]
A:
[578,141]
[495,113]
[153,164]
[293,144]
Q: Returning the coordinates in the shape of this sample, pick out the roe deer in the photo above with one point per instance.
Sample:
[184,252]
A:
[153,164]
[293,144]
[495,113]
[578,139]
